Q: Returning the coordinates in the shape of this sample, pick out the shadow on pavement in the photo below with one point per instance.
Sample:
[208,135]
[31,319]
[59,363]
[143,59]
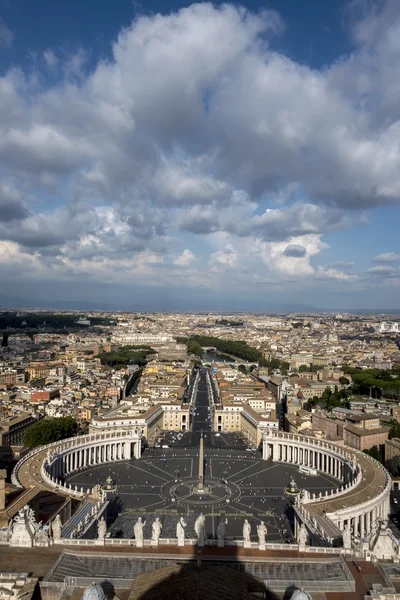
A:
[204,578]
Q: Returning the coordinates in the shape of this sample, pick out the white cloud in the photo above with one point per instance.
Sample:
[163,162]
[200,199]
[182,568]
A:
[185,259]
[382,270]
[387,257]
[273,255]
[343,264]
[227,257]
[329,273]
[191,130]
[50,59]
[6,35]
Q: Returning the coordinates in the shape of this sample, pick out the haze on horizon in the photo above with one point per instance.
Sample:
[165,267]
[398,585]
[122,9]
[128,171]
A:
[177,156]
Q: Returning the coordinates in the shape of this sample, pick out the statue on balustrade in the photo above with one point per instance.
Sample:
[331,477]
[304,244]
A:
[261,532]
[56,528]
[138,531]
[199,528]
[156,530]
[180,531]
[302,537]
[346,537]
[246,531]
[305,495]
[101,529]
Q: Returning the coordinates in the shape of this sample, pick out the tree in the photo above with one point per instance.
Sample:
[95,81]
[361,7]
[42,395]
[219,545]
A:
[194,347]
[126,355]
[394,466]
[49,430]
[303,368]
[374,452]
[394,428]
[344,380]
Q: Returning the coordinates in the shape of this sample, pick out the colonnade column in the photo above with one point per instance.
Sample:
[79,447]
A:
[362,523]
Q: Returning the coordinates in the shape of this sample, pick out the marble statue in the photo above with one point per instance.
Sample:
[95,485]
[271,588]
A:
[346,537]
[156,530]
[261,532]
[199,528]
[246,531]
[302,535]
[101,529]
[138,531]
[56,528]
[42,538]
[30,513]
[23,529]
[180,531]
[221,532]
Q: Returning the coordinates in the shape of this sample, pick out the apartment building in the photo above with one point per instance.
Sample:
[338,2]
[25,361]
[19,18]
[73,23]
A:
[392,449]
[355,430]
[230,417]
[12,429]
[363,439]
[149,421]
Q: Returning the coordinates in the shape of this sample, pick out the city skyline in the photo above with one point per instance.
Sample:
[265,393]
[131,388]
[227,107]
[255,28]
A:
[181,156]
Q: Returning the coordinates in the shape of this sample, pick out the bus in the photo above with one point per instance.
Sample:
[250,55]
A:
[308,470]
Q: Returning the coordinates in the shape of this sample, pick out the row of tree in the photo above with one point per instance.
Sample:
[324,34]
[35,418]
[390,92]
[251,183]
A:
[376,382]
[329,399]
[35,320]
[237,348]
[50,430]
[126,355]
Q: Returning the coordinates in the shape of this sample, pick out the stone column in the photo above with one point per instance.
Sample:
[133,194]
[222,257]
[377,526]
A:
[362,521]
[137,449]
[127,450]
[265,450]
[356,525]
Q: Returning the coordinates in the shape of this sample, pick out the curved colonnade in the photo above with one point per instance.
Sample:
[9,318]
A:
[59,459]
[361,498]
[363,493]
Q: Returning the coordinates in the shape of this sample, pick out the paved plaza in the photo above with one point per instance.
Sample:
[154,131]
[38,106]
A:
[161,486]
[241,485]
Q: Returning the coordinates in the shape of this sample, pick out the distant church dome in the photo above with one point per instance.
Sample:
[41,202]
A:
[300,595]
[94,592]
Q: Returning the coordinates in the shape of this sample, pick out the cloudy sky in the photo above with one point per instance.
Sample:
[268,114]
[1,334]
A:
[168,155]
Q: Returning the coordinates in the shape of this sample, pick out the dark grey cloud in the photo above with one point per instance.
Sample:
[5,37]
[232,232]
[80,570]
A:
[295,250]
[385,271]
[11,210]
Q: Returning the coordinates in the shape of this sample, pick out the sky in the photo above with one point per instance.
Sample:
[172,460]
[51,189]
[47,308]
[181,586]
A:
[167,155]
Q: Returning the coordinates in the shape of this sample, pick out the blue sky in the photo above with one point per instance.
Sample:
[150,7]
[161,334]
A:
[172,155]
